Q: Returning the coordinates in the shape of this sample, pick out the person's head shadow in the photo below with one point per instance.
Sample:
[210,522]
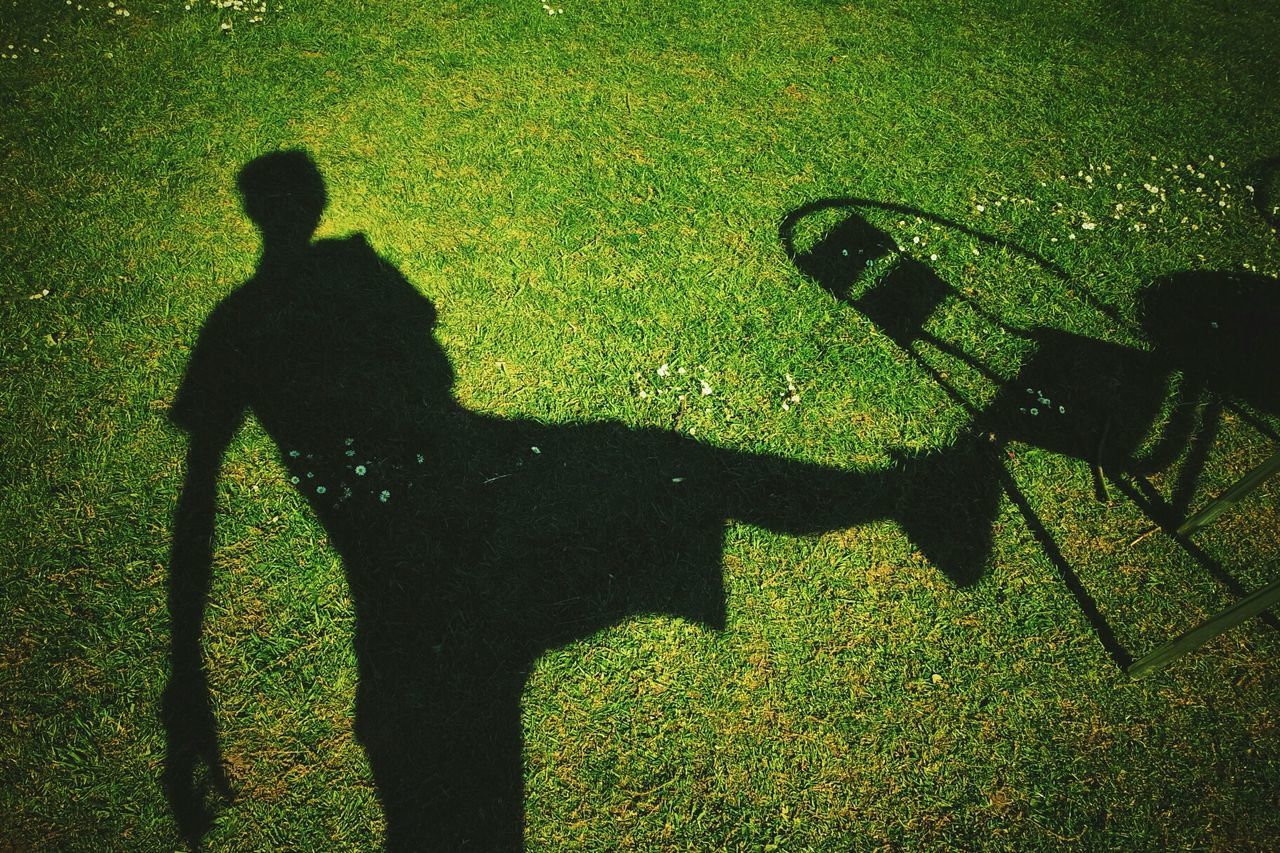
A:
[285,197]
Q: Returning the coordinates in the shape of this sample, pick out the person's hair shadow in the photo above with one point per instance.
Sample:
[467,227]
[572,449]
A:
[472,544]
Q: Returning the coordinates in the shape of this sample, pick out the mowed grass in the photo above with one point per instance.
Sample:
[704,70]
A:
[587,197]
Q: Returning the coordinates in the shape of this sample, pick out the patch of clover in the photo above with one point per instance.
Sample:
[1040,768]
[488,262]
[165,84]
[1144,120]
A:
[675,389]
[1166,198]
[790,396]
[918,239]
[16,48]
[670,381]
[229,14]
[232,11]
[927,243]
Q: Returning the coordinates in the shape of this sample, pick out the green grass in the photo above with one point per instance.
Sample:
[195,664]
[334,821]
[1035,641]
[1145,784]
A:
[586,197]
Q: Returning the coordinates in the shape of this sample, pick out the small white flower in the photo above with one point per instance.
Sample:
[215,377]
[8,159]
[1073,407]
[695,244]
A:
[1062,410]
[664,370]
[933,257]
[351,453]
[293,454]
[981,208]
[310,476]
[536,450]
[421,459]
[706,389]
[349,442]
[1035,411]
[1088,226]
[320,490]
[384,495]
[677,479]
[844,252]
[294,480]
[360,470]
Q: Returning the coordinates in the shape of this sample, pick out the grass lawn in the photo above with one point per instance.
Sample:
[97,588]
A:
[804,395]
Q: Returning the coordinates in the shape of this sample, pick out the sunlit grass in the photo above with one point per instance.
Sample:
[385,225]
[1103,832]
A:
[592,199]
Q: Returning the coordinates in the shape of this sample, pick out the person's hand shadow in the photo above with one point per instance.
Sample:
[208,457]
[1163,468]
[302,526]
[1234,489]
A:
[193,770]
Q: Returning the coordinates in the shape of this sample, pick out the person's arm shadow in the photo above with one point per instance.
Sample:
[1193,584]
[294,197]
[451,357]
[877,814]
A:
[208,410]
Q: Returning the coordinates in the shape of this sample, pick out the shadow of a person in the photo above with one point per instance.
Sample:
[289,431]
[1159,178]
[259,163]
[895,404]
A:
[471,544]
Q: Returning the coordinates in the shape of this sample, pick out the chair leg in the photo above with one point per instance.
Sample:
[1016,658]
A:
[1242,487]
[1204,632]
